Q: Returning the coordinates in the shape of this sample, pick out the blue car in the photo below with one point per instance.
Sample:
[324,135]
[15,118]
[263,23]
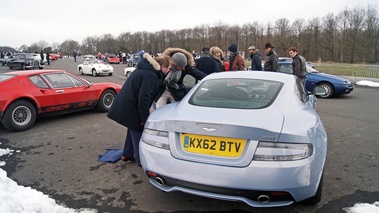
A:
[334,85]
[252,137]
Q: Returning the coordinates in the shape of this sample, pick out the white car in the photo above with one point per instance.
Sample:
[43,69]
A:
[95,67]
[128,71]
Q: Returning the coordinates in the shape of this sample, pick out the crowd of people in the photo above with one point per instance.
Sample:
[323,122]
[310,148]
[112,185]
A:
[160,78]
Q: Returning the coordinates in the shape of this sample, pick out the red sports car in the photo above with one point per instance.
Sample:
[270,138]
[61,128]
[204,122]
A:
[28,94]
[112,59]
[54,56]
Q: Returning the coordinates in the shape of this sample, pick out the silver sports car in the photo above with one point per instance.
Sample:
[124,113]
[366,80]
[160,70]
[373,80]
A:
[247,136]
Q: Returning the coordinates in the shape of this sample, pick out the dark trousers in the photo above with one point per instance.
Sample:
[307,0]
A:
[131,147]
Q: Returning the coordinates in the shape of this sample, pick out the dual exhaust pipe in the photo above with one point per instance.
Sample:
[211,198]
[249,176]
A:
[263,198]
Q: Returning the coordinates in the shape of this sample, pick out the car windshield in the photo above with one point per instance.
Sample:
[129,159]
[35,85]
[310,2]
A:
[236,93]
[136,57]
[95,61]
[25,56]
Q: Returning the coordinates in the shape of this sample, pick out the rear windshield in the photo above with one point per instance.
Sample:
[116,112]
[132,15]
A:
[4,77]
[236,93]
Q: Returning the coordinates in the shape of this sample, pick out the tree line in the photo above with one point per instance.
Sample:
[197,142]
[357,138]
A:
[351,36]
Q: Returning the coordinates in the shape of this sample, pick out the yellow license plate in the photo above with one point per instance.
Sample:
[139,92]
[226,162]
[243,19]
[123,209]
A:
[215,146]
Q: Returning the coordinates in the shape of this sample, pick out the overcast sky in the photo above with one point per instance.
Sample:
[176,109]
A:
[29,21]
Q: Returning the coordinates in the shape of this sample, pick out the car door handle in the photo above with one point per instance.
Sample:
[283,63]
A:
[59,91]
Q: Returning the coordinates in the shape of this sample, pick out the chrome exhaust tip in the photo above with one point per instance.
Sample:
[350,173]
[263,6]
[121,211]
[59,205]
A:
[159,180]
[263,198]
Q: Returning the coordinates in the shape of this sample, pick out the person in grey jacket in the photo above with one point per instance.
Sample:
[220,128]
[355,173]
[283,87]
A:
[271,62]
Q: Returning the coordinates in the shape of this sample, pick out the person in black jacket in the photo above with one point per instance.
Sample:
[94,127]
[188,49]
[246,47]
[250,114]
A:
[131,107]
[271,62]
[299,67]
[205,63]
[48,57]
[255,58]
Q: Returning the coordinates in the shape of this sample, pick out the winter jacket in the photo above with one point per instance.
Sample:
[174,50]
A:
[190,69]
[271,62]
[219,63]
[237,62]
[299,66]
[256,61]
[132,105]
[206,64]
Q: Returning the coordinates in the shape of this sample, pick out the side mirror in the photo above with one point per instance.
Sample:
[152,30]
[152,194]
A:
[319,91]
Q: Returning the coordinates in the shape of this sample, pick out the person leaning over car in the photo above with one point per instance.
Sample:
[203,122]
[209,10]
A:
[299,67]
[235,59]
[132,105]
[256,61]
[183,64]
[216,54]
[271,62]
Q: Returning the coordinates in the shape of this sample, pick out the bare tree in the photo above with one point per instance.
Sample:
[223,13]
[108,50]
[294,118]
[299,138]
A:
[69,46]
[282,34]
[371,35]
[329,36]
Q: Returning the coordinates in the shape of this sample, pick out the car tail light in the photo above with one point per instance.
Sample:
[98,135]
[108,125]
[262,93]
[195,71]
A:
[156,138]
[268,151]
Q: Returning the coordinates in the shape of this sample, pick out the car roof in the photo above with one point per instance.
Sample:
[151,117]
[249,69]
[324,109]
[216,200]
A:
[285,59]
[31,72]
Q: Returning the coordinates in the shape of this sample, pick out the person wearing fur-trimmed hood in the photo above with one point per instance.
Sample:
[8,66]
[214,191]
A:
[131,107]
[183,64]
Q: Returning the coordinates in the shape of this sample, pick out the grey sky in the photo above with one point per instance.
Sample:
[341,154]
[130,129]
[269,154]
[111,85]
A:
[29,21]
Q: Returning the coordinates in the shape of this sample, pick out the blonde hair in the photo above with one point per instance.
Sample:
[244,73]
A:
[215,50]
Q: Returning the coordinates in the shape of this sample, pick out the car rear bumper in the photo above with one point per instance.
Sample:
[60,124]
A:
[299,179]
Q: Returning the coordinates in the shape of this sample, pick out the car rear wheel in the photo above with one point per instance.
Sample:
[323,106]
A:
[19,116]
[317,198]
[329,90]
[106,100]
[94,73]
[81,71]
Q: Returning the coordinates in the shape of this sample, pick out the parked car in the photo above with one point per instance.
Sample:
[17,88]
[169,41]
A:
[89,57]
[133,60]
[24,61]
[253,137]
[6,58]
[53,56]
[287,59]
[95,67]
[333,84]
[128,71]
[112,59]
[27,95]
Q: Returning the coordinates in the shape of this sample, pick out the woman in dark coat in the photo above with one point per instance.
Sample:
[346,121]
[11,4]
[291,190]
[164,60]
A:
[131,107]
[216,53]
